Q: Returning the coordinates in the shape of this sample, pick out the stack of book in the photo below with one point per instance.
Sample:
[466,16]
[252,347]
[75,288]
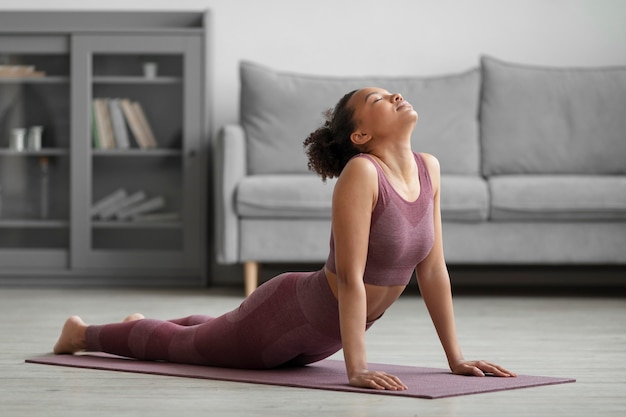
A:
[20,71]
[111,118]
[137,206]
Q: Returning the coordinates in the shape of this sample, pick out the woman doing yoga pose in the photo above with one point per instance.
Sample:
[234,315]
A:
[386,223]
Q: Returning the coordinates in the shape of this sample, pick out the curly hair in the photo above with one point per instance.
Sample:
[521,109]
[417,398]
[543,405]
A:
[329,148]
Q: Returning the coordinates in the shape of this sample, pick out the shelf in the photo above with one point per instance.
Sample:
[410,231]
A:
[135,80]
[112,224]
[29,152]
[33,224]
[136,152]
[35,80]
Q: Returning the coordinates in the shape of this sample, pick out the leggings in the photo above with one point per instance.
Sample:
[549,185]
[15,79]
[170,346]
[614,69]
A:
[291,320]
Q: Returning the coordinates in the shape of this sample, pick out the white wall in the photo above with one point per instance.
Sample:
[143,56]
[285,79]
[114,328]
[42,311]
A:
[391,37]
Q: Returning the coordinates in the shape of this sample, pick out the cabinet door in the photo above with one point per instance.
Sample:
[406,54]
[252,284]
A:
[35,173]
[136,144]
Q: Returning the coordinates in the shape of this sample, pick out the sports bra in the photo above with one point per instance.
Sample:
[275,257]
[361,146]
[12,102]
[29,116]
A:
[402,232]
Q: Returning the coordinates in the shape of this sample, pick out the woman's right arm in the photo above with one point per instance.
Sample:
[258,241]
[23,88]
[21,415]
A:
[354,197]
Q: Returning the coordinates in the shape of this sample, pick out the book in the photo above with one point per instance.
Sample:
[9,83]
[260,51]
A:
[20,71]
[111,119]
[144,207]
[97,119]
[111,211]
[134,123]
[151,140]
[108,125]
[103,123]
[107,201]
[119,125]
[94,128]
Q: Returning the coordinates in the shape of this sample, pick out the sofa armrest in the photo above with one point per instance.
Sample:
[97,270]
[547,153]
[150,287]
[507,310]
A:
[230,168]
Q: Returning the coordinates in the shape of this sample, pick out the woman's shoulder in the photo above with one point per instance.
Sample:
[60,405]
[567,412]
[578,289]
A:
[363,164]
[357,183]
[360,171]
[434,169]
[430,160]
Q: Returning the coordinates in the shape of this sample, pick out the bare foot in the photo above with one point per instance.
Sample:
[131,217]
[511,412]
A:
[134,317]
[72,337]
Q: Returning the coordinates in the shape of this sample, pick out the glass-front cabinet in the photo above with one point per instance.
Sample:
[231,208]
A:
[102,149]
[35,146]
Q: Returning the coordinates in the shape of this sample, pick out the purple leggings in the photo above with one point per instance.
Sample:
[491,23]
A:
[291,320]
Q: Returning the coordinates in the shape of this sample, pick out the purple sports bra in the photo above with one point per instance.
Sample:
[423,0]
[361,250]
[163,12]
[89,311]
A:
[401,232]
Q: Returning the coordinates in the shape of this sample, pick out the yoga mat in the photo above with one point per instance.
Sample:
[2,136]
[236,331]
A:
[327,375]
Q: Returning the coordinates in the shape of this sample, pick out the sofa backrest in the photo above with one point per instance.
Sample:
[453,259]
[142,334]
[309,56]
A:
[279,110]
[552,120]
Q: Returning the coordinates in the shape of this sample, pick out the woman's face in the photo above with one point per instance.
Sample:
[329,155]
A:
[378,112]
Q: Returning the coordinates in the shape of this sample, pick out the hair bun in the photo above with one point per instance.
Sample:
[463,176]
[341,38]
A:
[329,147]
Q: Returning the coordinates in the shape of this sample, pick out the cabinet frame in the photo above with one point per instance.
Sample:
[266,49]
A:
[80,35]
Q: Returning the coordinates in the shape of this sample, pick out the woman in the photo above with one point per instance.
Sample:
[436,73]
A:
[386,223]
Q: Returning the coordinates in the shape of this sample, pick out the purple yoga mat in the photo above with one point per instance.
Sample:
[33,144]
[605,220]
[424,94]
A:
[327,375]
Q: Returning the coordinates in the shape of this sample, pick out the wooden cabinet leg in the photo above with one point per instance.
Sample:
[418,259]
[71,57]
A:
[251,274]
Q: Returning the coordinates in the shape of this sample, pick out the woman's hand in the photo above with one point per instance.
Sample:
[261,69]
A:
[377,380]
[479,368]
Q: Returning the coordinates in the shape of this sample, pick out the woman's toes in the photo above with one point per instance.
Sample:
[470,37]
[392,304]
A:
[134,317]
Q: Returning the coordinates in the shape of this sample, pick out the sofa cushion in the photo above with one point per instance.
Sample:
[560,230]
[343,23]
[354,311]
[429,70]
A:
[552,120]
[302,196]
[558,197]
[464,198]
[284,196]
[280,109]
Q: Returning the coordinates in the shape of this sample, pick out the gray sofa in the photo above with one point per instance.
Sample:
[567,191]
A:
[533,165]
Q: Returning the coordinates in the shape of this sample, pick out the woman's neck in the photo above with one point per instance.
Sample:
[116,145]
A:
[396,153]
[397,158]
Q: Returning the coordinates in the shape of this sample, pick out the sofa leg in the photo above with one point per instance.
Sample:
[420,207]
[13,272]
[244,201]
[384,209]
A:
[251,274]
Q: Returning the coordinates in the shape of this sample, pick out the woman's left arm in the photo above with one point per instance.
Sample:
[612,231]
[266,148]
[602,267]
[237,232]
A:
[434,284]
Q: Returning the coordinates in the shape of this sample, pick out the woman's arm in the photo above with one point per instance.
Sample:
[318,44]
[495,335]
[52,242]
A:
[354,197]
[433,278]
[434,283]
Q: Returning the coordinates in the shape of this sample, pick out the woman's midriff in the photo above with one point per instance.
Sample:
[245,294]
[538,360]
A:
[379,299]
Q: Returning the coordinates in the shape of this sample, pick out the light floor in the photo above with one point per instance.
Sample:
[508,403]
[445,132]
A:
[582,337]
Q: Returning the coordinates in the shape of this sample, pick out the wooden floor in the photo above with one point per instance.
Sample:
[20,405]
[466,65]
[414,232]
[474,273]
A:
[582,337]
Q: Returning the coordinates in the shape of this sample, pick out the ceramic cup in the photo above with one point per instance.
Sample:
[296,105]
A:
[18,138]
[150,69]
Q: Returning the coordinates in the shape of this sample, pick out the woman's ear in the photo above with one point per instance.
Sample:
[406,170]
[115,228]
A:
[360,138]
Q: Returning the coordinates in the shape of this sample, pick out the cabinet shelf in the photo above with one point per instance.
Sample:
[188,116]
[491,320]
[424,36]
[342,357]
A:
[41,152]
[33,224]
[135,80]
[142,153]
[35,80]
[103,224]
